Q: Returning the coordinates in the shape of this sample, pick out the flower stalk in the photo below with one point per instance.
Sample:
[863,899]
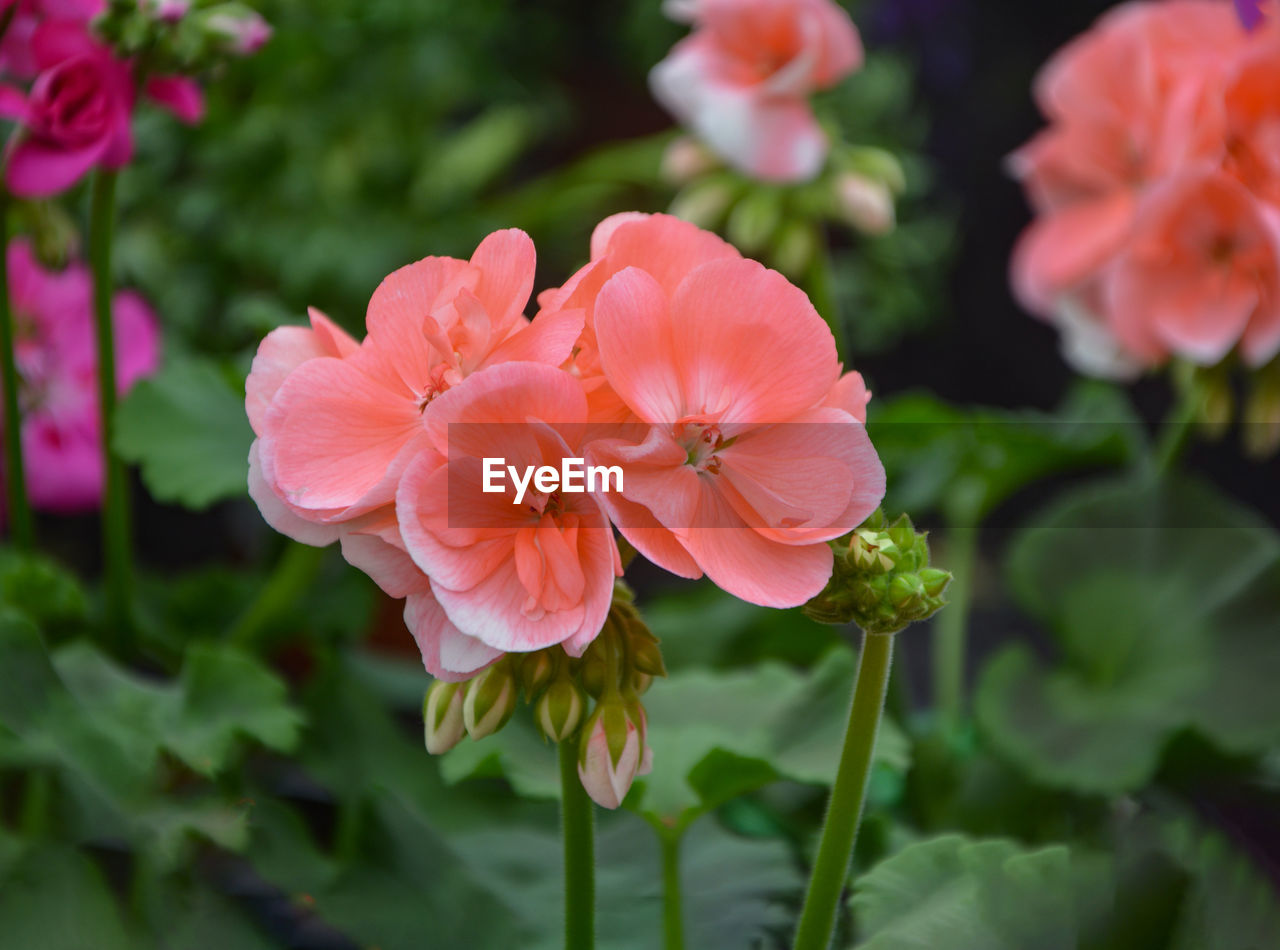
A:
[672,906]
[117,545]
[577,824]
[15,476]
[848,795]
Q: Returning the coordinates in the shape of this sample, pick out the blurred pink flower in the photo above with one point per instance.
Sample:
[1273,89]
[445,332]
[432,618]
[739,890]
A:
[743,470]
[742,80]
[57,366]
[17,56]
[1200,274]
[77,114]
[245,32]
[1152,93]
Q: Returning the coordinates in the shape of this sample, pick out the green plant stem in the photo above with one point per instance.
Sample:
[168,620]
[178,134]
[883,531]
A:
[848,796]
[672,908]
[577,827]
[951,629]
[1175,431]
[289,580]
[117,544]
[15,474]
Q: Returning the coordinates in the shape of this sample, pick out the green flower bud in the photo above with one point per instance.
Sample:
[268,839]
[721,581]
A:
[875,164]
[755,218]
[704,202]
[1262,415]
[1217,407]
[906,593]
[442,724]
[795,248]
[559,710]
[864,203]
[490,701]
[935,581]
[593,671]
[646,656]
[536,670]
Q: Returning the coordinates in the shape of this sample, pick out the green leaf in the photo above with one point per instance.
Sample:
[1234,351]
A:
[967,461]
[974,895]
[1163,601]
[41,589]
[56,899]
[187,430]
[227,694]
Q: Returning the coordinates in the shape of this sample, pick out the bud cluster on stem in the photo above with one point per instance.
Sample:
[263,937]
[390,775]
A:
[614,671]
[881,579]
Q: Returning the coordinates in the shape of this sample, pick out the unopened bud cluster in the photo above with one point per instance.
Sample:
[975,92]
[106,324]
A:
[1217,406]
[881,580]
[181,36]
[858,189]
[613,672]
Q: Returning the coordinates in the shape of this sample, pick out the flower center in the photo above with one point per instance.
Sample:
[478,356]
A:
[702,441]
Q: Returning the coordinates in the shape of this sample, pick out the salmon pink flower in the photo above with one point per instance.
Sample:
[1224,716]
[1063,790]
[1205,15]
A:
[1201,274]
[341,430]
[1133,102]
[57,368]
[749,459]
[509,577]
[742,80]
[663,246]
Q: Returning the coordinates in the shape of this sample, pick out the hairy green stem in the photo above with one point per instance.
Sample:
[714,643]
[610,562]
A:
[117,543]
[15,475]
[672,908]
[848,796]
[289,580]
[951,629]
[577,824]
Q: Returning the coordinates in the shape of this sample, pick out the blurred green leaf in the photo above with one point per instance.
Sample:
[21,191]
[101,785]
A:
[186,428]
[966,461]
[55,899]
[974,895]
[41,589]
[1163,600]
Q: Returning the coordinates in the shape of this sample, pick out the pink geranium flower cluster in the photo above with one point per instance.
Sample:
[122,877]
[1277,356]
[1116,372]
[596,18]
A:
[742,80]
[710,381]
[57,366]
[1157,190]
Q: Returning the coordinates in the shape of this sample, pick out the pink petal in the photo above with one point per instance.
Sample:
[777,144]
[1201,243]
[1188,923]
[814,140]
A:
[548,339]
[180,95]
[282,351]
[750,566]
[506,262]
[447,653]
[279,515]
[751,347]
[38,169]
[637,346]
[389,567]
[339,436]
[13,104]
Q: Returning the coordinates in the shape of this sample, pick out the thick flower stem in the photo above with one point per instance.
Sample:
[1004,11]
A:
[672,909]
[951,631]
[848,796]
[117,546]
[289,580]
[577,828]
[15,476]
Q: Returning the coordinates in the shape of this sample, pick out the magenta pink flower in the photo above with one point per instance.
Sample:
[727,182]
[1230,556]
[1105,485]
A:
[17,56]
[78,112]
[57,366]
[742,80]
[749,462]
